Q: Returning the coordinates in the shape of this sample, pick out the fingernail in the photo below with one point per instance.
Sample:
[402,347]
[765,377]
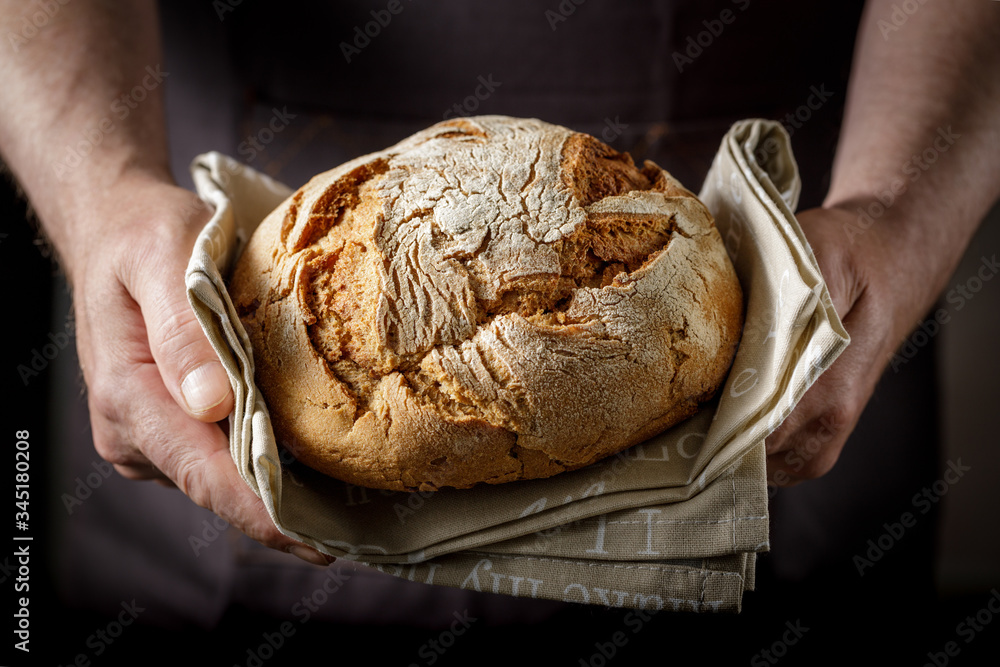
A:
[205,387]
[310,555]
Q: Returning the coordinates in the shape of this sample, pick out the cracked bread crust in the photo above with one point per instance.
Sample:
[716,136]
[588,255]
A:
[491,299]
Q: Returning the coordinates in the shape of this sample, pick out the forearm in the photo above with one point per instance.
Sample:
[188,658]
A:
[921,132]
[81,107]
[917,168]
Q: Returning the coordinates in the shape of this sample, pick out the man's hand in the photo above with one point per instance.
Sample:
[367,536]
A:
[920,145]
[124,232]
[860,276]
[155,385]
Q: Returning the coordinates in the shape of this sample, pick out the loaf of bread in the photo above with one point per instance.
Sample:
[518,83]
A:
[492,299]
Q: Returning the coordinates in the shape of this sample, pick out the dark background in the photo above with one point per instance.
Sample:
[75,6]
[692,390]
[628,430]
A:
[895,614]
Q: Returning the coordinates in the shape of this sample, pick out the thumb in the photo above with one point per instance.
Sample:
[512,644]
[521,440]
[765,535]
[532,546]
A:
[188,365]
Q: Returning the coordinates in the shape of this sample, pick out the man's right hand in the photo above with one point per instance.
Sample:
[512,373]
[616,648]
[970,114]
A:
[155,385]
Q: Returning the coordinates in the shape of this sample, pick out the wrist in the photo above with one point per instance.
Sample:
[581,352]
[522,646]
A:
[66,177]
[97,181]
[136,213]
[905,256]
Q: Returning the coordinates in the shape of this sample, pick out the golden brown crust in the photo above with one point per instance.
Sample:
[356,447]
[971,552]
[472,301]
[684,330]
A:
[492,299]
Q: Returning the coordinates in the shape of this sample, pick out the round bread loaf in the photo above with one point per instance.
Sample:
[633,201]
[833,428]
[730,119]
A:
[491,299]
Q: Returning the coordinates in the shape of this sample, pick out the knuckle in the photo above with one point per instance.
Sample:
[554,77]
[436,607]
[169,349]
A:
[815,469]
[103,397]
[250,517]
[820,464]
[135,472]
[111,447]
[178,334]
[837,418]
[113,454]
[267,535]
[120,453]
[188,478]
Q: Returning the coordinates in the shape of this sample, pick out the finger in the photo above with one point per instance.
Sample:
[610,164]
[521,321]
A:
[837,386]
[109,348]
[189,366]
[138,350]
[808,444]
[811,452]
[141,472]
[195,456]
[828,406]
[138,427]
[844,280]
[234,502]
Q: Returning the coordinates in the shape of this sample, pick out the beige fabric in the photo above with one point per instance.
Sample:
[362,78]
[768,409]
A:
[673,523]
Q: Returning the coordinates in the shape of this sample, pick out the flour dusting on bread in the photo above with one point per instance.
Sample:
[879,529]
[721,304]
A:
[491,299]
